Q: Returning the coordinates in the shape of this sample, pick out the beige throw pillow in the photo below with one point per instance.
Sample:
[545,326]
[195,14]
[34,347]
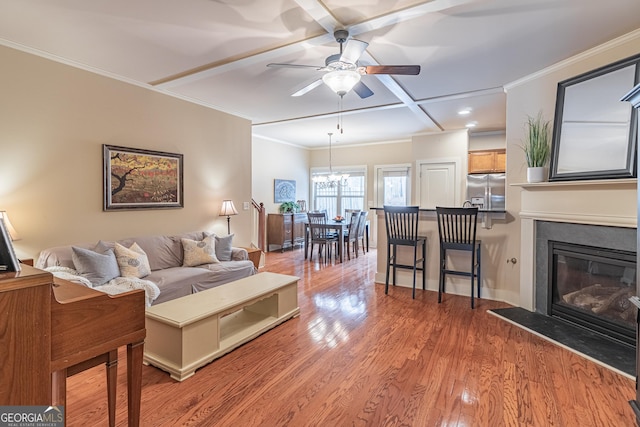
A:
[198,252]
[133,261]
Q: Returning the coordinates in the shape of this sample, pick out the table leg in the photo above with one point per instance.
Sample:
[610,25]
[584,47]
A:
[112,381]
[59,390]
[134,381]
[306,241]
[341,244]
[366,235]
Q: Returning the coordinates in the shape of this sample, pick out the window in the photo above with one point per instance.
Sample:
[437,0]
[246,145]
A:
[393,185]
[335,200]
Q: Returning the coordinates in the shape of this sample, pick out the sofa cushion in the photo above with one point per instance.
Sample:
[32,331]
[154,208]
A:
[177,282]
[99,265]
[198,252]
[133,261]
[223,247]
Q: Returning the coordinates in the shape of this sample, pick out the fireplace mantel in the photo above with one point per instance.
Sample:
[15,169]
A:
[596,202]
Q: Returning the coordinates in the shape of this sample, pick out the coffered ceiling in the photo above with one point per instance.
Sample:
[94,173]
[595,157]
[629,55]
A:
[215,52]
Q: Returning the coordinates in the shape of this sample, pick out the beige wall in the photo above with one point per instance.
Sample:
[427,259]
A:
[53,121]
[272,160]
[487,141]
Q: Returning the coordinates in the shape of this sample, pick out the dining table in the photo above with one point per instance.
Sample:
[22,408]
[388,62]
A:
[340,227]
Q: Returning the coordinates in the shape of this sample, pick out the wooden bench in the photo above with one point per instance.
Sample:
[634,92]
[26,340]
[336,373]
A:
[187,333]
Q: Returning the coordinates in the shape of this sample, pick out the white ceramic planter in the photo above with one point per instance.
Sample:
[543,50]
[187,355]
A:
[537,174]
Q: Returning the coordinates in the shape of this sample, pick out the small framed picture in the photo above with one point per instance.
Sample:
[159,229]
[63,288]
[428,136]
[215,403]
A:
[284,190]
[8,260]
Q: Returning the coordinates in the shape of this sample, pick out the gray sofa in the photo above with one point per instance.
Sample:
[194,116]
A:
[165,254]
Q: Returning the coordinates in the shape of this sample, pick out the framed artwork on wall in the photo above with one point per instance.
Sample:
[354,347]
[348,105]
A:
[141,179]
[284,190]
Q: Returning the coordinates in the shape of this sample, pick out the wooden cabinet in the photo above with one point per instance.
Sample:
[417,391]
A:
[25,337]
[487,161]
[285,230]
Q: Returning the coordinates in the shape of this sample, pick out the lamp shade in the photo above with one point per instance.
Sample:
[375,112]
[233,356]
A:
[12,231]
[341,81]
[227,208]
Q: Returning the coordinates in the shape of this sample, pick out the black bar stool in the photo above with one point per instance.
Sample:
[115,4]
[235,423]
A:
[402,230]
[457,231]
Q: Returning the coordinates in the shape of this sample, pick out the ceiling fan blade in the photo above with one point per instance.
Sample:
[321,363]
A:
[409,70]
[362,90]
[308,88]
[276,65]
[352,51]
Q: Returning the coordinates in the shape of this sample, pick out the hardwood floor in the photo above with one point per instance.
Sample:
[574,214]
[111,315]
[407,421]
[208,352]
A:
[356,356]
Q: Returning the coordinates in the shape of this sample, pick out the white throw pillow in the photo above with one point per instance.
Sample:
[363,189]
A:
[133,261]
[198,252]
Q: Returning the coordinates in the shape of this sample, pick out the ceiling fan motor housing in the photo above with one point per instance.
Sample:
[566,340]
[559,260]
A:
[341,35]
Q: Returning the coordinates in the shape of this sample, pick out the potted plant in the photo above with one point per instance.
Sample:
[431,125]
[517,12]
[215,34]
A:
[287,207]
[536,147]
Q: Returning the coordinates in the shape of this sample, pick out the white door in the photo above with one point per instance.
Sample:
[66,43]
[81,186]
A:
[437,184]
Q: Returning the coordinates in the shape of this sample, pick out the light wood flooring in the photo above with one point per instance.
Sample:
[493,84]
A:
[358,357]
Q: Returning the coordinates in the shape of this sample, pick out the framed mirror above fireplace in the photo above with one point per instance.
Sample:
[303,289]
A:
[594,134]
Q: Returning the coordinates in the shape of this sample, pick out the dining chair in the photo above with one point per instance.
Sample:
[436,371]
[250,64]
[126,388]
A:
[349,212]
[457,232]
[351,235]
[402,230]
[320,235]
[362,226]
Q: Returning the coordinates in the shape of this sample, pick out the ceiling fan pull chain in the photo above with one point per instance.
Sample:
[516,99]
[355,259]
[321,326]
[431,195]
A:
[340,116]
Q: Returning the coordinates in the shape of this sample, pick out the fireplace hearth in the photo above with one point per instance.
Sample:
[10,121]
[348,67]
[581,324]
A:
[591,286]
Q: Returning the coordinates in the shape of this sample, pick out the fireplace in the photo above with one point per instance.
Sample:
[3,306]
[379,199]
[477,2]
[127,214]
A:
[590,286]
[589,265]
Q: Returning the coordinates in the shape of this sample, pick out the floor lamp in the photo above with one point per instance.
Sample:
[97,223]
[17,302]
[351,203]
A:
[227,209]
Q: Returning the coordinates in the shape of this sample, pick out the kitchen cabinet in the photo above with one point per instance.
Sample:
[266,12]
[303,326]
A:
[285,230]
[488,161]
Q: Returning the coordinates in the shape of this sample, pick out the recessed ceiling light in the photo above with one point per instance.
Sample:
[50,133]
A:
[465,111]
[471,124]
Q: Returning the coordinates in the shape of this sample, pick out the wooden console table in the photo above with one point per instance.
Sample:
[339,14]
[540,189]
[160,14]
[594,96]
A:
[187,333]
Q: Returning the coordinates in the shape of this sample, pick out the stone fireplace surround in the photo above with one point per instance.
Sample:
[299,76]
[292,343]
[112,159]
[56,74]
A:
[606,237]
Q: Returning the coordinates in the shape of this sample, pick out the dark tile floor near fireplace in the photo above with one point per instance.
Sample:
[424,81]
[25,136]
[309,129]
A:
[619,356]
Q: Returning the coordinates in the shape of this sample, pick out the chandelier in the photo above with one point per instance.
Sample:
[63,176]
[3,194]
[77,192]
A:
[330,180]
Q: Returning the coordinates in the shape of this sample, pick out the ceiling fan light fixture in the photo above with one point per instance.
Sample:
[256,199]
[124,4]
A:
[341,81]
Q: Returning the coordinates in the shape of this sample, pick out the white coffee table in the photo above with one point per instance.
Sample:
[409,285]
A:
[187,333]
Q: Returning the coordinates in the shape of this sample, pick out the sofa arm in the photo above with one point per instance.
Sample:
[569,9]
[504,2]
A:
[239,254]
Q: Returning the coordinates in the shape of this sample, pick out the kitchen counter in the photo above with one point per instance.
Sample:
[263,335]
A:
[485,217]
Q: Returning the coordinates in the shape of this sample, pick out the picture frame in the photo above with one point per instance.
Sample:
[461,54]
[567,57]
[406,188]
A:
[141,179]
[595,133]
[284,190]
[8,260]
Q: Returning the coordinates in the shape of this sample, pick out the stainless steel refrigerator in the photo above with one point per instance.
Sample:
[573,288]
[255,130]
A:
[486,191]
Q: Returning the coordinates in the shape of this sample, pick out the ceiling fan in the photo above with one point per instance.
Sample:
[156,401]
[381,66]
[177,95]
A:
[342,70]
